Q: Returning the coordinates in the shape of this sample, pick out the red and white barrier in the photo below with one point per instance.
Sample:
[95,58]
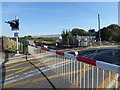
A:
[100,64]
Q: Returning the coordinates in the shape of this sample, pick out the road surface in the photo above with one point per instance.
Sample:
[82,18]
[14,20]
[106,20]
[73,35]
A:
[36,72]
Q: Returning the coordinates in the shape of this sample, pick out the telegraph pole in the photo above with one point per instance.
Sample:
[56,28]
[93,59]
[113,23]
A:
[99,28]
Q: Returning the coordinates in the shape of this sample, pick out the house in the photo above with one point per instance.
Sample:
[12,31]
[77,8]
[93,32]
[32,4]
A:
[92,32]
[31,42]
[83,40]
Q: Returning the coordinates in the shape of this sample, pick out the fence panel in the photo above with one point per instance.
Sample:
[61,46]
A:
[81,72]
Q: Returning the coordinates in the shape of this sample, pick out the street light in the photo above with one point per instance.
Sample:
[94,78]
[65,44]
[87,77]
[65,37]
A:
[14,24]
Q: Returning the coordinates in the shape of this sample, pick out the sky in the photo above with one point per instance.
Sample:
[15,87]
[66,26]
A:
[43,18]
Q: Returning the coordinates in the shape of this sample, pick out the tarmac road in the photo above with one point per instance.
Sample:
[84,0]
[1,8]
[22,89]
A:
[102,54]
[27,74]
[30,73]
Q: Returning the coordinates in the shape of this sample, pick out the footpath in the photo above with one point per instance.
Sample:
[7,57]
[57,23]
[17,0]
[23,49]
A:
[45,79]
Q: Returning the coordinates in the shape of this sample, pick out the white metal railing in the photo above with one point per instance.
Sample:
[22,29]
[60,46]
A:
[80,71]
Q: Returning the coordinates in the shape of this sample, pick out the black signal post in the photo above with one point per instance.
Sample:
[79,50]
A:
[14,24]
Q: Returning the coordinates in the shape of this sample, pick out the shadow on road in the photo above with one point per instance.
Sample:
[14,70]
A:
[4,68]
[42,74]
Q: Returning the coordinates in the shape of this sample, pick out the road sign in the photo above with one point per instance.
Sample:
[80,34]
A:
[16,34]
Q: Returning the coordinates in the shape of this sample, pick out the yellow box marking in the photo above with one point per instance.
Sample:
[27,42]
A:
[38,79]
[13,69]
[25,68]
[106,82]
[23,62]
[7,64]
[80,75]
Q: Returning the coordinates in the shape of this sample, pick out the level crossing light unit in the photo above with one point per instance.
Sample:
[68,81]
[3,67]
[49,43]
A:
[14,24]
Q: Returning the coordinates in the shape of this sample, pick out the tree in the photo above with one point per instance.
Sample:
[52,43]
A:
[110,33]
[69,38]
[105,34]
[64,36]
[80,32]
[29,37]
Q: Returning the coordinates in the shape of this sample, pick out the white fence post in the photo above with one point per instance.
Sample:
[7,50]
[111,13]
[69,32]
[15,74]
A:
[77,69]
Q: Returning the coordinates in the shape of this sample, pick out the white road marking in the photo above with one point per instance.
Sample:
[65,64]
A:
[113,81]
[32,73]
[35,72]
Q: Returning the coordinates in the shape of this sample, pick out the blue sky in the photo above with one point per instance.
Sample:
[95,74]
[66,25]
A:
[42,18]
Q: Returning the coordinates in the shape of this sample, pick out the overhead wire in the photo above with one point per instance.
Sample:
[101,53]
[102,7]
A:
[90,11]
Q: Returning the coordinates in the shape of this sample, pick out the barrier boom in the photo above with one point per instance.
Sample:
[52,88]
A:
[100,64]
